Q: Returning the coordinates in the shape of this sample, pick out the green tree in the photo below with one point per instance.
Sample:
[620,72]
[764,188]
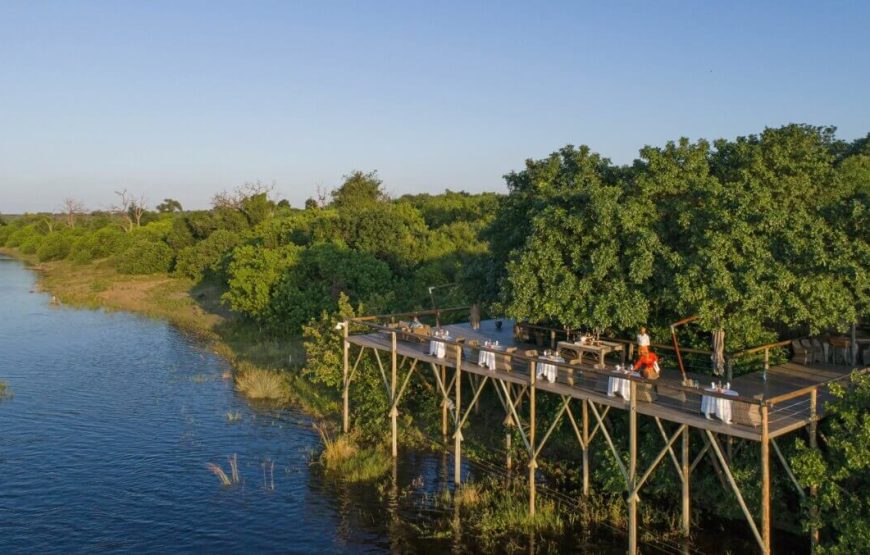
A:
[840,470]
[358,190]
[169,205]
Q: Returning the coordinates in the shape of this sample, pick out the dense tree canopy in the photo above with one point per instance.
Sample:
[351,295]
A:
[757,235]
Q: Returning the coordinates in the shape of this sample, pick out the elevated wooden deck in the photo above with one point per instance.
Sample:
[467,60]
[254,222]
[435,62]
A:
[590,383]
[768,404]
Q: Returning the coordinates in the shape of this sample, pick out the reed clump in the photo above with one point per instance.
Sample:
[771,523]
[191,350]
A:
[345,460]
[234,416]
[261,384]
[5,391]
[225,480]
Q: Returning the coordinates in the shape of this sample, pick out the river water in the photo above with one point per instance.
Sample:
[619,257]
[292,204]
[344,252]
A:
[105,443]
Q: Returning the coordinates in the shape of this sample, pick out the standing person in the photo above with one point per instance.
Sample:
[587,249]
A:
[642,342]
[475,316]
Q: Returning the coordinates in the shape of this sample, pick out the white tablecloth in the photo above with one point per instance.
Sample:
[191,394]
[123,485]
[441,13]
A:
[618,385]
[548,370]
[717,406]
[437,348]
[486,359]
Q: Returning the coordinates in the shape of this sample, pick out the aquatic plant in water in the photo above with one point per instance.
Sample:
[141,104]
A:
[222,476]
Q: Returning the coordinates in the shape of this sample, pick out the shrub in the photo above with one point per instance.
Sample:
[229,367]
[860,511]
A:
[30,244]
[55,246]
[209,254]
[145,257]
[5,232]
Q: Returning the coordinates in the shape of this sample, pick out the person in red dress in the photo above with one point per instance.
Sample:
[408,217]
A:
[647,365]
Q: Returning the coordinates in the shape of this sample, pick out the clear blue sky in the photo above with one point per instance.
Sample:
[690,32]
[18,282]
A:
[183,99]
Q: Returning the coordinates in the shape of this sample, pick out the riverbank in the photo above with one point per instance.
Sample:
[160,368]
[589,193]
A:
[194,309]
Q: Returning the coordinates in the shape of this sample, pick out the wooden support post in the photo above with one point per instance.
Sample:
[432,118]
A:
[457,437]
[765,481]
[632,471]
[814,509]
[687,515]
[532,460]
[394,413]
[444,407]
[552,339]
[585,447]
[345,414]
[509,421]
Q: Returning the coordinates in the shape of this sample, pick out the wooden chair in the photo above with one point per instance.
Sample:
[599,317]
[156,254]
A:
[811,350]
[503,359]
[645,392]
[819,351]
[800,353]
[747,414]
[531,353]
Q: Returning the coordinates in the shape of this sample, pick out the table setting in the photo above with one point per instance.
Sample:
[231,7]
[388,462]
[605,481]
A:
[438,348]
[717,406]
[545,368]
[486,359]
[621,386]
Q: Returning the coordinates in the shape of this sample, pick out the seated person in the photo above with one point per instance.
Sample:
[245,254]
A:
[415,324]
[647,365]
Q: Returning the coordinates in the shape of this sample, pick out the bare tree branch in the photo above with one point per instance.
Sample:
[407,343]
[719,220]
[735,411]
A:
[72,208]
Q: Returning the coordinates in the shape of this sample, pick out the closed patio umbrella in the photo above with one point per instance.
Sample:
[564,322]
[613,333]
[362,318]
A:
[718,356]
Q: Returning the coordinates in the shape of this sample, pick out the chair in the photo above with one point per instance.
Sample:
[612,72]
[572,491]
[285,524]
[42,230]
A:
[819,351]
[503,359]
[812,354]
[531,353]
[800,353]
[747,414]
[645,392]
[865,356]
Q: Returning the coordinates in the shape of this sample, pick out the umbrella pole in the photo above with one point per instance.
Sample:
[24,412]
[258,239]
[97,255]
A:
[677,350]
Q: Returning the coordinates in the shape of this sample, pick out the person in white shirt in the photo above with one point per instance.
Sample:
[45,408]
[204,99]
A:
[642,342]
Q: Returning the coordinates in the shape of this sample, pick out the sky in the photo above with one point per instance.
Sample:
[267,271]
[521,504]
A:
[184,99]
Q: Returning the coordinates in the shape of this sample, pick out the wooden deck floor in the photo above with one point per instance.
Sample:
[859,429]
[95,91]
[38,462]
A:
[588,384]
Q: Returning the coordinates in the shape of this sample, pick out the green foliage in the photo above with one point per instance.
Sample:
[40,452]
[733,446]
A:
[209,254]
[55,246]
[841,470]
[169,205]
[143,256]
[756,235]
[359,190]
[252,274]
[317,279]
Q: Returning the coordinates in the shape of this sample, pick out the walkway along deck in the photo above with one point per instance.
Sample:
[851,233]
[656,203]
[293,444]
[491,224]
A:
[790,398]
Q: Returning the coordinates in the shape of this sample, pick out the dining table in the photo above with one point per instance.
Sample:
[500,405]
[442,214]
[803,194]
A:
[597,348]
[437,348]
[719,407]
[547,369]
[620,386]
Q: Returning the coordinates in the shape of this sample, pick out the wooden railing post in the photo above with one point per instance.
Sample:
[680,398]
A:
[585,447]
[533,465]
[345,414]
[457,438]
[687,516]
[766,364]
[765,480]
[632,470]
[394,412]
[814,509]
